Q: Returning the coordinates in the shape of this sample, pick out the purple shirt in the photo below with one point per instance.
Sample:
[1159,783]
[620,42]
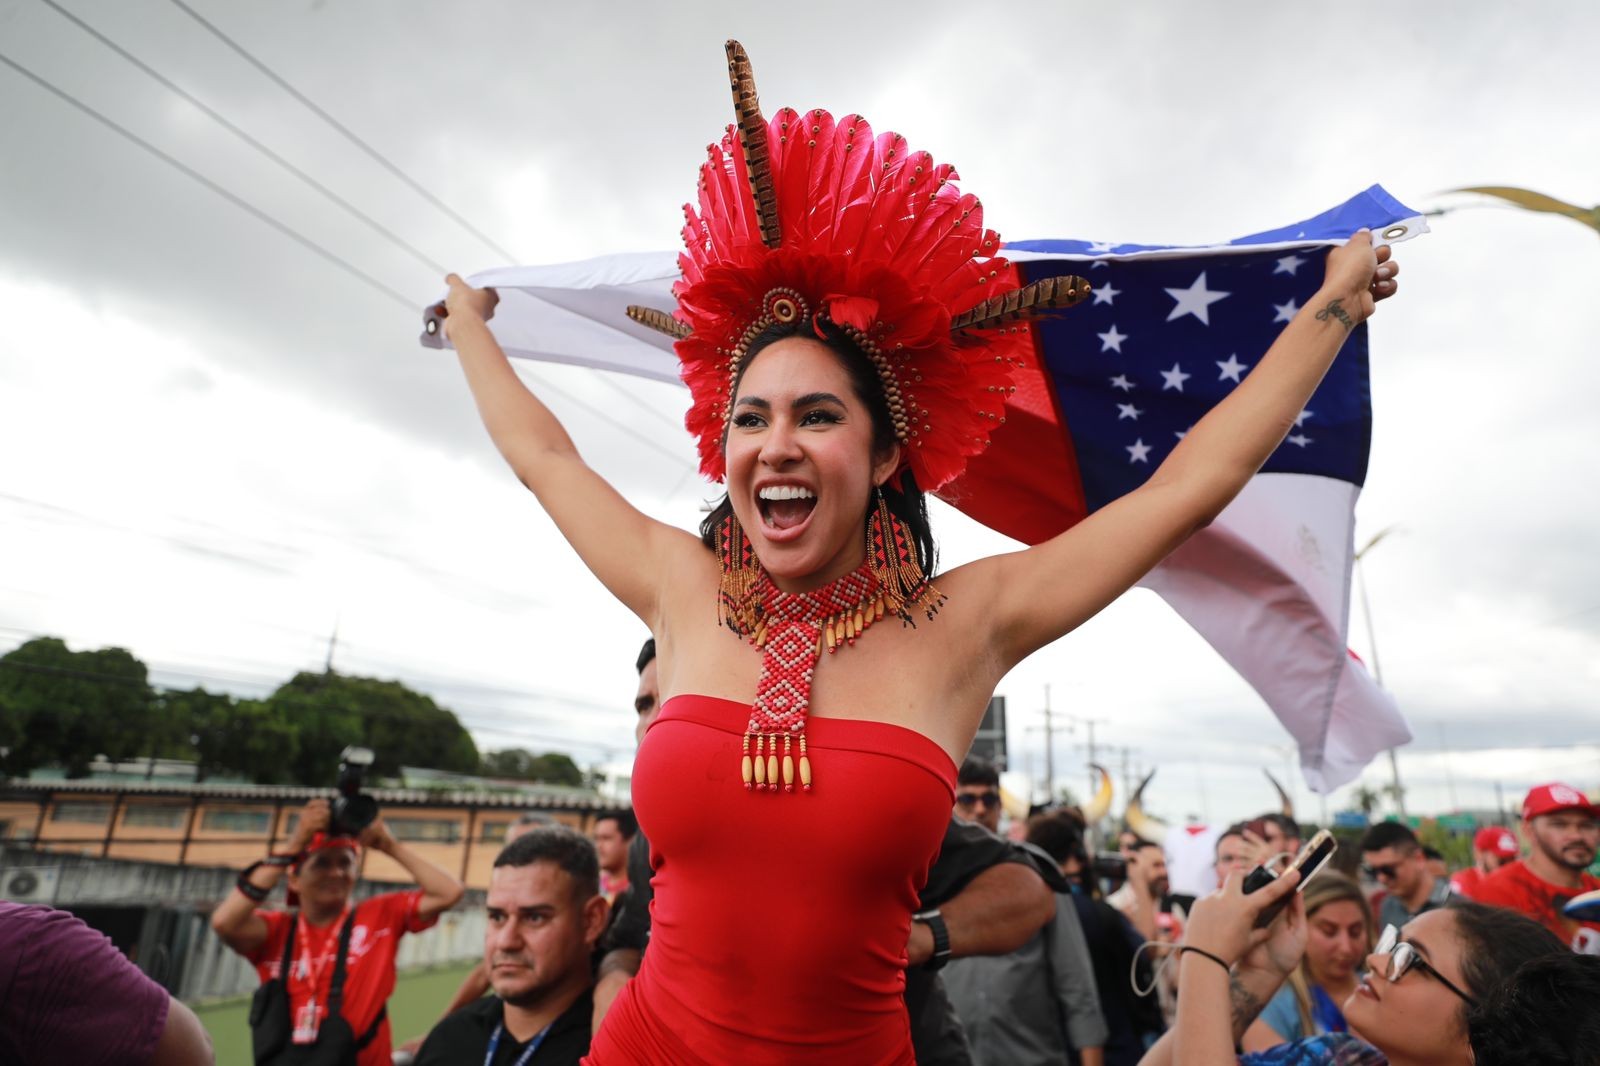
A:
[67,995]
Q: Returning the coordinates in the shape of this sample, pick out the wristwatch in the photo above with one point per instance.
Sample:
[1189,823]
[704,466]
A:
[253,891]
[941,938]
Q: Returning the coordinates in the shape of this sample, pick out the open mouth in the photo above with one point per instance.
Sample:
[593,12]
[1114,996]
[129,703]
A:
[785,509]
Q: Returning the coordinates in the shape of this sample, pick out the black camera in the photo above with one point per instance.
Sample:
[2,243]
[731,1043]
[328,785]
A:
[1109,867]
[352,809]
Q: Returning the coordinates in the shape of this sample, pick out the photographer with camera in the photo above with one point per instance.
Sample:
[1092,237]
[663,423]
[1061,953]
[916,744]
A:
[329,952]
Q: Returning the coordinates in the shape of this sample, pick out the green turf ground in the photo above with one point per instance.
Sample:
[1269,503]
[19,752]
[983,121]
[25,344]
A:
[417,1001]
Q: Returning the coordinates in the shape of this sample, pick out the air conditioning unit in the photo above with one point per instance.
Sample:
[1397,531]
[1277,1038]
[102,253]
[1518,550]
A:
[30,884]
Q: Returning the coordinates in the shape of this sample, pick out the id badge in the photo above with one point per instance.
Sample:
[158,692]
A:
[305,1023]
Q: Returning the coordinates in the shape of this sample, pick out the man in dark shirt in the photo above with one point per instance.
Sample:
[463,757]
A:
[545,917]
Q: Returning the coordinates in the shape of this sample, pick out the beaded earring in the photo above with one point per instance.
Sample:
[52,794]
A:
[738,607]
[892,557]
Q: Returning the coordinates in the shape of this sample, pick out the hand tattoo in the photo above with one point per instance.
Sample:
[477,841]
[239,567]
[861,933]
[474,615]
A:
[1334,310]
[1245,1005]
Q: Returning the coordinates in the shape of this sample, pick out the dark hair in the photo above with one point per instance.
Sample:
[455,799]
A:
[1390,835]
[1237,829]
[976,771]
[1495,944]
[627,824]
[1287,825]
[1142,845]
[1432,853]
[1545,1014]
[647,655]
[1060,837]
[565,848]
[905,499]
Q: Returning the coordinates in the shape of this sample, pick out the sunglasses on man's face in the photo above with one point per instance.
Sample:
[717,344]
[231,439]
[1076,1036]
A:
[1403,956]
[1386,872]
[969,800]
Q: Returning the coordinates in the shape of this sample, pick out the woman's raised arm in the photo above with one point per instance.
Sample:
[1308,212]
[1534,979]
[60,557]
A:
[629,552]
[1040,594]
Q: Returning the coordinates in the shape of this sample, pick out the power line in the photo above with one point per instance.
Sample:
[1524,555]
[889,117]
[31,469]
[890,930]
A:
[306,242]
[237,201]
[349,135]
[217,117]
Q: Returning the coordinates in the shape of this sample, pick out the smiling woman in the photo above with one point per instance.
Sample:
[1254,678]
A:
[850,336]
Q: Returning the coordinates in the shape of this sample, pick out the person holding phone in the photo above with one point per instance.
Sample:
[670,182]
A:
[1425,981]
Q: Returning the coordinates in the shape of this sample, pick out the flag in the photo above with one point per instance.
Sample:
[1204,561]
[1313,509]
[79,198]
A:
[1168,332]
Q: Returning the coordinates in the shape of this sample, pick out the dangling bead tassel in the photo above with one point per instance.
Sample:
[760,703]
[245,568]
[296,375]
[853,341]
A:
[772,763]
[788,767]
[737,606]
[745,770]
[805,765]
[761,763]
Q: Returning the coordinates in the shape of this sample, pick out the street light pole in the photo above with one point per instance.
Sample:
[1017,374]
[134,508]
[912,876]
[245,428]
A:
[1377,669]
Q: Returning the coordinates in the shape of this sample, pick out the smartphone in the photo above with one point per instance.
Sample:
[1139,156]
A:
[1312,858]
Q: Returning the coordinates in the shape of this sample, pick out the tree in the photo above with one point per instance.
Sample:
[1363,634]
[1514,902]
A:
[67,707]
[246,737]
[1366,800]
[330,712]
[520,764]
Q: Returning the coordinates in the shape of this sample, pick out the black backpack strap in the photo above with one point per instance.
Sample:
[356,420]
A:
[336,990]
[288,948]
[372,1030]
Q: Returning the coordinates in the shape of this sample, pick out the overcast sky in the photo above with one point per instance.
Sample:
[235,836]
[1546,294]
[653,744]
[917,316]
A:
[215,444]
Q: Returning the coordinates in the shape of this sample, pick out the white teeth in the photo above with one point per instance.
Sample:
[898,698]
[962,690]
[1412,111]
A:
[786,492]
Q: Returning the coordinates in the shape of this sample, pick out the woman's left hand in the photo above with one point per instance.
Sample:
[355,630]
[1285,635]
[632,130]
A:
[1359,275]
[1223,923]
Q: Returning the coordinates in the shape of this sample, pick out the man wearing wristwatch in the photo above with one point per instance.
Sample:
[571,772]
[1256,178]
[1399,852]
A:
[322,879]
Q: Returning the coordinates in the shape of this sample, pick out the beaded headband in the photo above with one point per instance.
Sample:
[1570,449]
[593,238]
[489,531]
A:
[803,219]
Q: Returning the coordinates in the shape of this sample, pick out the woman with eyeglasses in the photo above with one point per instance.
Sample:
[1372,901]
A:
[1339,936]
[1410,1009]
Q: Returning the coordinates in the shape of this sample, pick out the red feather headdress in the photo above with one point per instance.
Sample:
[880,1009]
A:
[804,217]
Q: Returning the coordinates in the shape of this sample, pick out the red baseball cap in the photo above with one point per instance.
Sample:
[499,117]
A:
[1547,799]
[1494,839]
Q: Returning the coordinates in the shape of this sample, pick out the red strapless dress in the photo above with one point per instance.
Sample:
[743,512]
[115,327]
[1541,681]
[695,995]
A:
[779,923]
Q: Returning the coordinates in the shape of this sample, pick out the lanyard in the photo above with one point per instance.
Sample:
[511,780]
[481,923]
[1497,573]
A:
[313,974]
[527,1052]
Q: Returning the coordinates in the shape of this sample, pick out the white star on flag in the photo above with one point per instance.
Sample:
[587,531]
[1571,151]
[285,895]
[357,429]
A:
[1121,382]
[1112,341]
[1196,300]
[1138,451]
[1099,247]
[1174,378]
[1232,369]
[1285,311]
[1289,264]
[1127,410]
[1106,293]
[1300,418]
[1300,440]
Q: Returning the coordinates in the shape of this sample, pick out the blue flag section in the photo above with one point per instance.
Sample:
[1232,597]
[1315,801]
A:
[1163,340]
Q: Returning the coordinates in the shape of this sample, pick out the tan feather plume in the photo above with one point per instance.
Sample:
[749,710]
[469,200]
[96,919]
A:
[1046,294]
[753,140]
[660,321]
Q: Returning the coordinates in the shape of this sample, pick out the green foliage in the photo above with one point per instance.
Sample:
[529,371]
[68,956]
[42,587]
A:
[66,707]
[1456,847]
[61,707]
[520,764]
[331,712]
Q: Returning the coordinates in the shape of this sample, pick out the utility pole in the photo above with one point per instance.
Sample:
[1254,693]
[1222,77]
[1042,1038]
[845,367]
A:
[333,642]
[1377,670]
[1049,751]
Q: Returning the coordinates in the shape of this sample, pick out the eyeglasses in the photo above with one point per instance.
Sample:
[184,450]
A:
[968,800]
[1386,873]
[1403,957]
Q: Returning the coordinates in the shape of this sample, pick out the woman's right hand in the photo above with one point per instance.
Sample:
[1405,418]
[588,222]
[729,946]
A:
[1223,923]
[466,303]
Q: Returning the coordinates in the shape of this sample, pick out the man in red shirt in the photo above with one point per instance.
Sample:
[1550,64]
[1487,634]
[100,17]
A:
[1564,829]
[1492,847]
[322,873]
